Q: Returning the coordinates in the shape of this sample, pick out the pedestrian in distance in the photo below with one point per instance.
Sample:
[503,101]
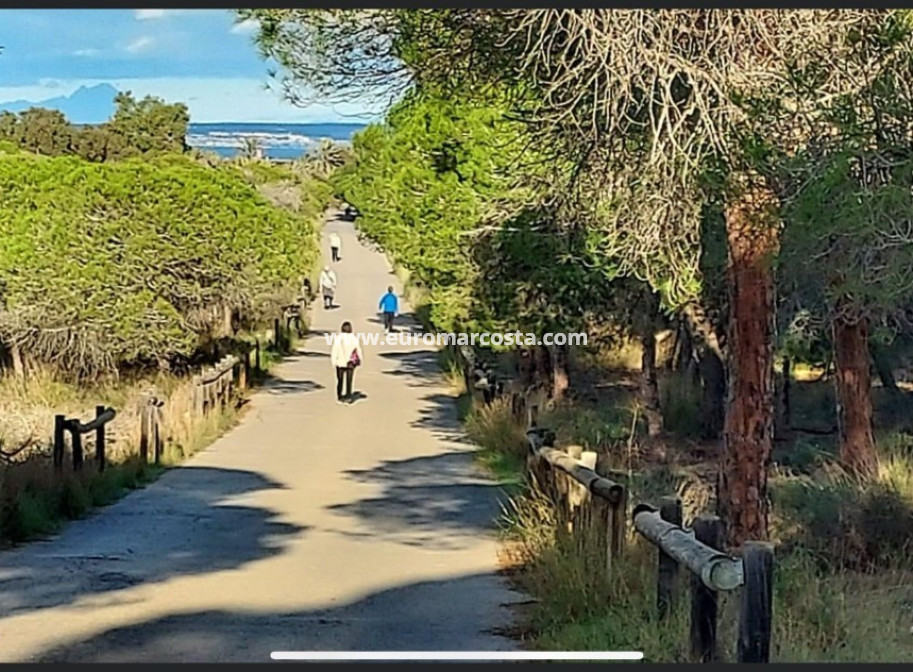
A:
[327,286]
[345,356]
[335,245]
[389,305]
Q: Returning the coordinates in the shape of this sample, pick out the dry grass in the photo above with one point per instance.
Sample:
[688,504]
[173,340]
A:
[35,499]
[819,615]
[843,582]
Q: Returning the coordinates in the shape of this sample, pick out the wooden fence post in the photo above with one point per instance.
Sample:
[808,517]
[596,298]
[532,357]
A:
[59,440]
[144,431]
[76,439]
[533,416]
[618,530]
[100,440]
[707,530]
[670,510]
[244,371]
[757,602]
[155,413]
[197,396]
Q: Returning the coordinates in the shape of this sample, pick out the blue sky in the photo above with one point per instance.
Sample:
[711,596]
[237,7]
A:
[203,58]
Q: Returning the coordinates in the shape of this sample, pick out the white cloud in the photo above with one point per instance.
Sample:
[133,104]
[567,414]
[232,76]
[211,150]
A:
[149,14]
[86,53]
[140,44]
[246,27]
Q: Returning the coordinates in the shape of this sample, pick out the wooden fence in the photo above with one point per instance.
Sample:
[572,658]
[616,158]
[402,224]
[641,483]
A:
[77,429]
[214,389]
[593,509]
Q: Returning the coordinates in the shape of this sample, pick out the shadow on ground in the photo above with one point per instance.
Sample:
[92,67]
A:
[274,385]
[421,366]
[183,524]
[439,501]
[425,616]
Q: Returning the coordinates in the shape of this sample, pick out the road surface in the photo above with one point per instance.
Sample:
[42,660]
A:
[309,526]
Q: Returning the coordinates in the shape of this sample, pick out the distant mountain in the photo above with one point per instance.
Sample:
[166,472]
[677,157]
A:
[86,105]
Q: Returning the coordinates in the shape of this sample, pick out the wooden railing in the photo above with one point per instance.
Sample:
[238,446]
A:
[62,425]
[216,384]
[214,388]
[592,508]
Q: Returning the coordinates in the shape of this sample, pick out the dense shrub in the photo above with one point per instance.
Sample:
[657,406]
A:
[139,261]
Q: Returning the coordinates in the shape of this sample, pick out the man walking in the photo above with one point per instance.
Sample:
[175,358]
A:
[327,286]
[335,245]
[389,304]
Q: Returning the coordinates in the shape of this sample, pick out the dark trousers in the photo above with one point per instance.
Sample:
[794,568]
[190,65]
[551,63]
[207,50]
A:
[388,320]
[344,373]
[335,251]
[327,300]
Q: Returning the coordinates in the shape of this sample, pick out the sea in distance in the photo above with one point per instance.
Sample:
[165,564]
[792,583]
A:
[278,141]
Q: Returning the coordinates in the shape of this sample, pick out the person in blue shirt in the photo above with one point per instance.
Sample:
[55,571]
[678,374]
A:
[389,304]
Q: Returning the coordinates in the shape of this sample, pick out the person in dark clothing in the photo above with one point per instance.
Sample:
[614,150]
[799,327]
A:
[389,304]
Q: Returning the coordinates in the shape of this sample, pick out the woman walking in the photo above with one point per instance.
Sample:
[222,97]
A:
[345,356]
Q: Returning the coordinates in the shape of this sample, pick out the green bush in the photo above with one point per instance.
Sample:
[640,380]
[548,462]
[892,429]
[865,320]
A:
[844,522]
[138,261]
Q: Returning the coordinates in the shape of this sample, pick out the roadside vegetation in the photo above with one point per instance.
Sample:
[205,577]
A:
[126,269]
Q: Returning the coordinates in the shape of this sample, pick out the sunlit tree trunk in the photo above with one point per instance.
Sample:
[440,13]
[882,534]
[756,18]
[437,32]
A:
[784,411]
[853,384]
[18,361]
[227,330]
[561,379]
[649,387]
[752,236]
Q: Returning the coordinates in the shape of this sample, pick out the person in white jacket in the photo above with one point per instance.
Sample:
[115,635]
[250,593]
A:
[327,286]
[345,355]
[335,245]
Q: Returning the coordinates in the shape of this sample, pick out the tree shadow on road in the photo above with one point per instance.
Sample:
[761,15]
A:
[463,613]
[438,501]
[185,523]
[274,385]
[421,368]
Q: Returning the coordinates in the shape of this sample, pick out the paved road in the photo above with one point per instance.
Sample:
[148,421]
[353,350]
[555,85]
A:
[310,526]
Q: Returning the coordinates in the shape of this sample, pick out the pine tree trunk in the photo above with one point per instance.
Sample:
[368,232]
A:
[784,409]
[561,379]
[751,231]
[227,329]
[18,362]
[649,387]
[682,353]
[542,369]
[711,369]
[854,397]
[884,369]
[713,394]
